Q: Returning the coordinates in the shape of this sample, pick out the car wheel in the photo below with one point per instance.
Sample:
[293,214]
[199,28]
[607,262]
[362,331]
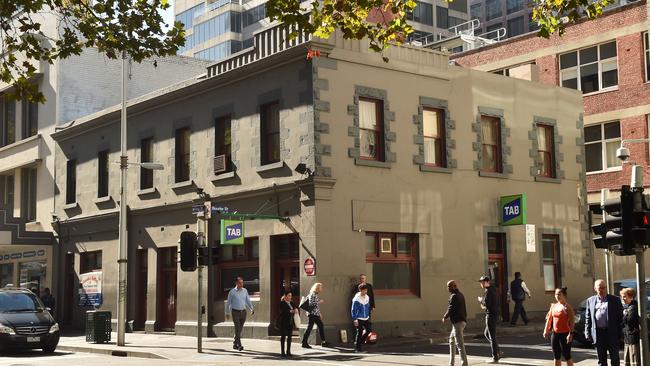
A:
[49,348]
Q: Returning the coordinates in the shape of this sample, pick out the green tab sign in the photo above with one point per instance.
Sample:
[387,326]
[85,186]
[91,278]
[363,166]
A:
[232,232]
[513,210]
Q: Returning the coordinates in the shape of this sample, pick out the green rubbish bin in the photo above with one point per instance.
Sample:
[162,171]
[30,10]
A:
[98,326]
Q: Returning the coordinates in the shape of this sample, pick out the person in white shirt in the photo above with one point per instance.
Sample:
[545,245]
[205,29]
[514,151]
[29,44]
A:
[517,292]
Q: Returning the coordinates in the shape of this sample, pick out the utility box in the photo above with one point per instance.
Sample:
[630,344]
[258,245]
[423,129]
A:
[98,326]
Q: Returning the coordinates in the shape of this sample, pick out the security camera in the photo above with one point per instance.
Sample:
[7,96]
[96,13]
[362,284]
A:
[623,153]
[199,191]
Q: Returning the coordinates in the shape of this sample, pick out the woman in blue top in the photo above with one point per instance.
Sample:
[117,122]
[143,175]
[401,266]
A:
[361,315]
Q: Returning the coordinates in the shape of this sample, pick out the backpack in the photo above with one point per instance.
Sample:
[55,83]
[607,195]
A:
[304,304]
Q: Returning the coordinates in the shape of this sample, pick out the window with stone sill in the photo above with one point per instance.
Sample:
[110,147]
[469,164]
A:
[182,155]
[270,133]
[433,128]
[223,140]
[545,151]
[102,174]
[491,148]
[601,142]
[590,69]
[71,182]
[146,156]
[371,129]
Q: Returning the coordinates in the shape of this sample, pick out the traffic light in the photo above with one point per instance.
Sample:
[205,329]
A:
[615,232]
[208,256]
[189,245]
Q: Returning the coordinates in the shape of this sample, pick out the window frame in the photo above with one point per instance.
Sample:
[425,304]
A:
[28,182]
[393,257]
[555,261]
[71,181]
[599,62]
[267,136]
[146,156]
[379,131]
[86,259]
[7,126]
[103,174]
[496,15]
[182,158]
[29,118]
[249,261]
[222,134]
[603,148]
[442,134]
[497,149]
[646,55]
[549,150]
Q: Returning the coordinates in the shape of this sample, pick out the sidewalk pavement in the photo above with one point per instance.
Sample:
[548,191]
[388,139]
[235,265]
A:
[172,347]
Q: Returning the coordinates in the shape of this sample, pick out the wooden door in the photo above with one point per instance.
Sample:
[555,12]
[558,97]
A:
[166,317]
[140,289]
[498,272]
[69,289]
[285,270]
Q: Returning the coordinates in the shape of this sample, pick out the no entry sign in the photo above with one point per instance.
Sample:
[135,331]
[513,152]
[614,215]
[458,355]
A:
[310,267]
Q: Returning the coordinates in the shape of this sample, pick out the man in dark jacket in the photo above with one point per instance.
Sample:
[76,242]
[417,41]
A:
[518,292]
[457,313]
[490,303]
[371,294]
[604,323]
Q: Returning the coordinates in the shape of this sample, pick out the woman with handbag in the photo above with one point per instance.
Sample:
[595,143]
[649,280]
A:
[559,325]
[631,328]
[285,323]
[315,316]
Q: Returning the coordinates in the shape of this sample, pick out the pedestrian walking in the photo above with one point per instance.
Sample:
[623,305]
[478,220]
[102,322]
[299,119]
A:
[604,323]
[361,316]
[559,326]
[631,328]
[518,292]
[238,302]
[315,315]
[48,300]
[490,303]
[457,314]
[371,294]
[287,310]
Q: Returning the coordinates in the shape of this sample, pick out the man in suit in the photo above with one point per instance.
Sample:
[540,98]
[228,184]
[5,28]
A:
[604,323]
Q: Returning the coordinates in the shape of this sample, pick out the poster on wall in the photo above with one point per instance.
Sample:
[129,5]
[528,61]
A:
[90,289]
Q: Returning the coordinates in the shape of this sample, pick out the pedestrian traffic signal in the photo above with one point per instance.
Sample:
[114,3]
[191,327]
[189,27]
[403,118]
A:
[208,256]
[189,246]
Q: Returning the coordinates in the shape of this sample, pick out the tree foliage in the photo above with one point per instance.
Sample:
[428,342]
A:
[552,16]
[111,26]
[382,21]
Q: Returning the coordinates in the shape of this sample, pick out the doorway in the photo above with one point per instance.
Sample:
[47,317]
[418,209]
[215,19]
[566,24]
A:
[498,270]
[166,314]
[285,271]
[140,289]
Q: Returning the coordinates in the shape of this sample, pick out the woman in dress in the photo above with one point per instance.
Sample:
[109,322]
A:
[559,325]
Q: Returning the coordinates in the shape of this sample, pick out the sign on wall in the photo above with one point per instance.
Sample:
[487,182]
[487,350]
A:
[530,238]
[232,232]
[90,290]
[309,267]
[513,210]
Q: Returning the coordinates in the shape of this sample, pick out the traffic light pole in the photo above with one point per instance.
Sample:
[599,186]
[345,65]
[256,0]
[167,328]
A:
[608,254]
[200,232]
[637,184]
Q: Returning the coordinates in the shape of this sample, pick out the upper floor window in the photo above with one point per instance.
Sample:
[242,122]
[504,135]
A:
[270,133]
[492,9]
[28,193]
[90,261]
[71,182]
[433,128]
[222,145]
[29,118]
[475,11]
[601,142]
[422,13]
[371,129]
[545,151]
[7,191]
[514,5]
[551,262]
[182,156]
[590,69]
[491,144]
[102,173]
[8,123]
[442,17]
[515,26]
[146,156]
[254,15]
[646,50]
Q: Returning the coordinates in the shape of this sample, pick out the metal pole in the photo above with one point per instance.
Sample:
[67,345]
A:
[199,317]
[122,261]
[642,299]
[608,259]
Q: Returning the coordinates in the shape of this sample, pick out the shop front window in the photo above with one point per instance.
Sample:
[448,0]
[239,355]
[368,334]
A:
[392,260]
[239,261]
[6,274]
[33,276]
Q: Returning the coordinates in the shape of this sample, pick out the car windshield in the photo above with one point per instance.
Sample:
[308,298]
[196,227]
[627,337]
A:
[19,302]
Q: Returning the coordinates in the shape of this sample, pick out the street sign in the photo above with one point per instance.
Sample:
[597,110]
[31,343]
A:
[219,209]
[232,232]
[513,210]
[197,209]
[309,267]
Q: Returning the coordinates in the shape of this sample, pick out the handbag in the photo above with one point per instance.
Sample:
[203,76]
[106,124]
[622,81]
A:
[371,338]
[296,320]
[304,304]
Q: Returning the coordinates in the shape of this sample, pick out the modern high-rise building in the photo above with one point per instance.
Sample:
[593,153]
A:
[217,29]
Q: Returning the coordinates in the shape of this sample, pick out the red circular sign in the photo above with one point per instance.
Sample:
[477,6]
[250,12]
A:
[310,267]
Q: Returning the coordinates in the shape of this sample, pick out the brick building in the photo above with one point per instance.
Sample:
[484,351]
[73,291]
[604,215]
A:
[606,59]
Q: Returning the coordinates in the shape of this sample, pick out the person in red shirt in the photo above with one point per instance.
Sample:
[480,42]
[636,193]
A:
[559,325]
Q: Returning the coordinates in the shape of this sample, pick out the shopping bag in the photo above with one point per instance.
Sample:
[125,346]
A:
[371,338]
[296,320]
[304,304]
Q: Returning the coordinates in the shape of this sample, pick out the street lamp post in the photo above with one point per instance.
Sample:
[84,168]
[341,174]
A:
[124,164]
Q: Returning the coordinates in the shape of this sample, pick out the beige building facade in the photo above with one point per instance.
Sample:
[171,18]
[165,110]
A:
[406,164]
